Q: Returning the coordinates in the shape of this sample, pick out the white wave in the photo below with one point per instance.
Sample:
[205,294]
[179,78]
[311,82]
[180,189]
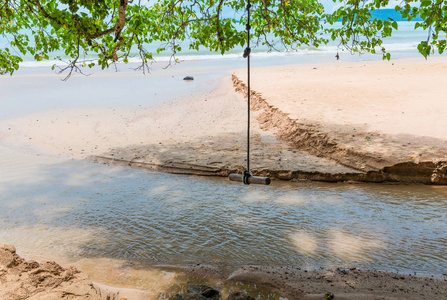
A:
[42,63]
[328,50]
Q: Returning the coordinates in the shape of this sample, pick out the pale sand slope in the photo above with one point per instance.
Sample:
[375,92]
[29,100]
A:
[392,111]
[200,135]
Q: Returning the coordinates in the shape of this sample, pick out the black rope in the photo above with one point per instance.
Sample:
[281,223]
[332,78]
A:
[247,51]
[246,176]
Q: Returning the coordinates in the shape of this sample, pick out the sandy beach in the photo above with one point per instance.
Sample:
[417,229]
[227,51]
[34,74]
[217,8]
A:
[336,122]
[370,116]
[317,122]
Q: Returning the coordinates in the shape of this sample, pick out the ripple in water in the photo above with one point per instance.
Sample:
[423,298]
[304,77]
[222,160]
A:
[82,210]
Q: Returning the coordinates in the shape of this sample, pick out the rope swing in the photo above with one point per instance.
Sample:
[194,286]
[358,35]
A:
[246,177]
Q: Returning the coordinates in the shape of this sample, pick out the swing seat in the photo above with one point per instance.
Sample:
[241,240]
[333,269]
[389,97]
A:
[250,179]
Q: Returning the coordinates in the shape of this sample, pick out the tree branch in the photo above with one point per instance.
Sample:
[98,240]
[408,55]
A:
[219,32]
[121,19]
[46,14]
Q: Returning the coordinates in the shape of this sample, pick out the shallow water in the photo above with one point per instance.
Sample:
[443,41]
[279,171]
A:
[51,207]
[38,89]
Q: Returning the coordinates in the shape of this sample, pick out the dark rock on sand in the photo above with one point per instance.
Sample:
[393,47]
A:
[198,292]
[239,296]
[188,297]
[203,290]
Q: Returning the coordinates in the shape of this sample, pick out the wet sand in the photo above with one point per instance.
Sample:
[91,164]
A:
[20,278]
[203,134]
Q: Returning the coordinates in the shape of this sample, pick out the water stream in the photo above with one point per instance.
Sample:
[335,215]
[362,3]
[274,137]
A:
[52,207]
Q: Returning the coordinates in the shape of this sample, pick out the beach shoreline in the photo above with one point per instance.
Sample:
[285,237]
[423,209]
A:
[48,280]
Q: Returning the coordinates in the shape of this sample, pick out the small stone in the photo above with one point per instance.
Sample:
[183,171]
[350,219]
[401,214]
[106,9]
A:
[203,290]
[188,297]
[239,296]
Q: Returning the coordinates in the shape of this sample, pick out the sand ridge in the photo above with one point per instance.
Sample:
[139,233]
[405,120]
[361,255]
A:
[382,118]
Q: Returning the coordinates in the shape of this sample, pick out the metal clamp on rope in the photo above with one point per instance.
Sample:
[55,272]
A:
[247,52]
[245,176]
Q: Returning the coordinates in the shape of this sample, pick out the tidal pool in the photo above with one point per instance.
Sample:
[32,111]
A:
[56,208]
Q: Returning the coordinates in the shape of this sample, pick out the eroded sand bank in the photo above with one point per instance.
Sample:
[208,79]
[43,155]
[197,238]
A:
[386,119]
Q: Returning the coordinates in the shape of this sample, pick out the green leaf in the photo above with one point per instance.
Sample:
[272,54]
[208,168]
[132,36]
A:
[394,24]
[74,24]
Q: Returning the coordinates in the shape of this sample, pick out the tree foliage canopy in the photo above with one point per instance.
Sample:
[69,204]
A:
[114,30]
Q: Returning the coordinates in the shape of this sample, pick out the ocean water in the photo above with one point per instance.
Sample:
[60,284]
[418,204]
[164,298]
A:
[402,44]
